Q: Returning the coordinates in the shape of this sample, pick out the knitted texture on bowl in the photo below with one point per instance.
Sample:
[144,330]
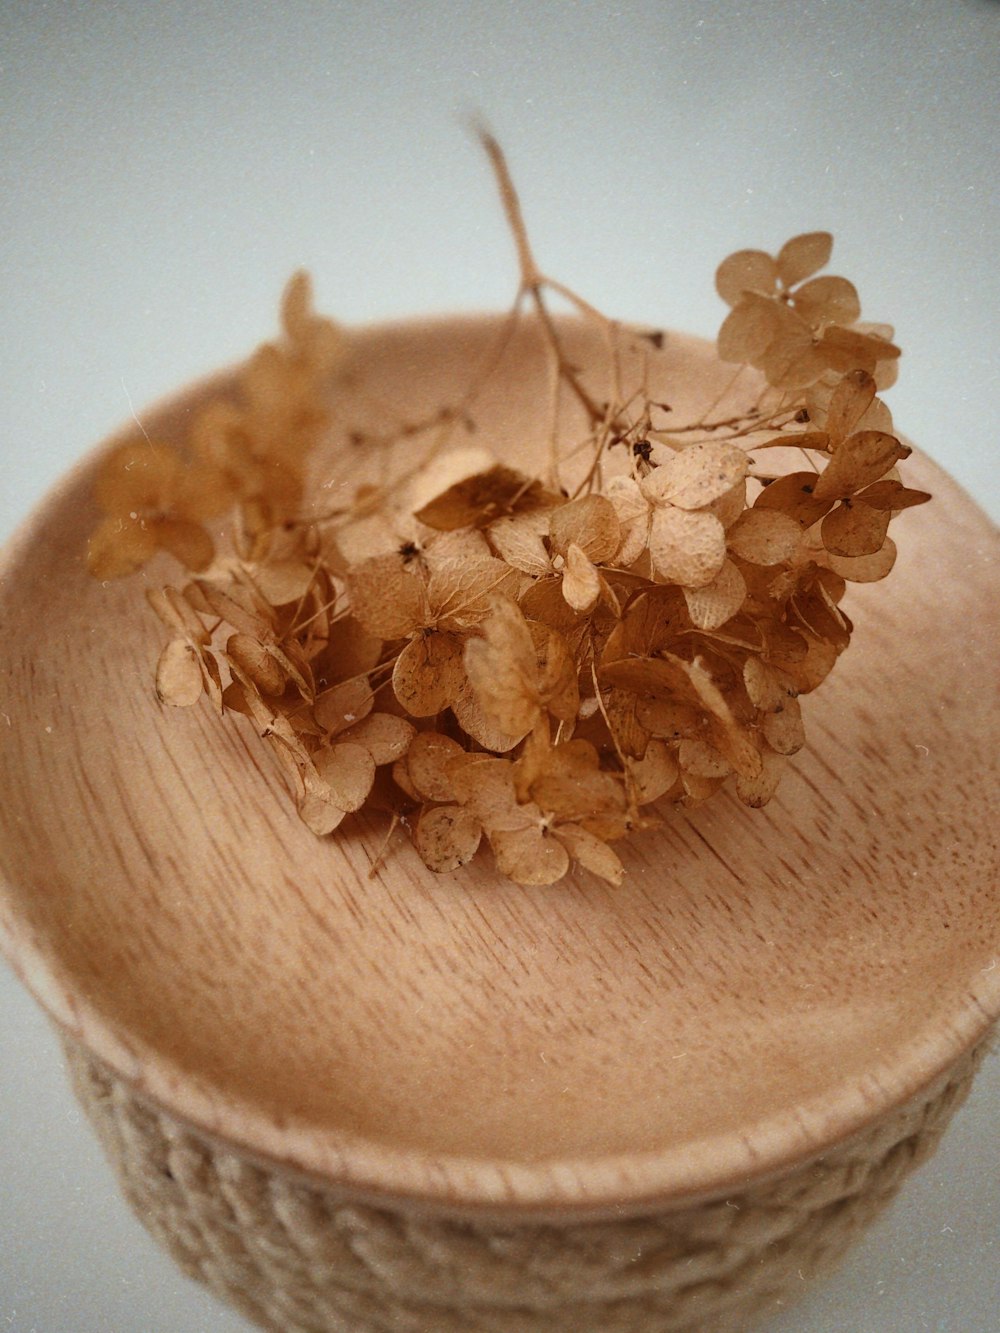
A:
[300,1258]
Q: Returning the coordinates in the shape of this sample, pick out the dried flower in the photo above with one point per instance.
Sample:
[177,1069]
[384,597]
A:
[497,657]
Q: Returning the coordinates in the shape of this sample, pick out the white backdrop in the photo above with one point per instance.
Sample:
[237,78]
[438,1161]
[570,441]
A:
[165,167]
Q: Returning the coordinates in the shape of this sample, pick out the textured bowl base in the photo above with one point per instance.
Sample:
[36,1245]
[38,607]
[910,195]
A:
[297,1258]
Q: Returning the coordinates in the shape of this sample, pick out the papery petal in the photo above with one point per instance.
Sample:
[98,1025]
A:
[528,857]
[428,673]
[696,476]
[592,854]
[746,270]
[854,528]
[713,604]
[446,837]
[179,680]
[803,255]
[349,771]
[688,548]
[764,536]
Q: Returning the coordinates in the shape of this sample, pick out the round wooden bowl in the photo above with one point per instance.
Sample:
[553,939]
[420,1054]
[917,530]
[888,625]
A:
[356,1101]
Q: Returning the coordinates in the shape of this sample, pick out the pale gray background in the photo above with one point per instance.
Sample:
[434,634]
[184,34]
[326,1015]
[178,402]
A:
[164,168]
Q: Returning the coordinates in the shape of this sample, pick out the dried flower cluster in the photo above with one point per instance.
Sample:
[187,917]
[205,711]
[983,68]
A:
[488,655]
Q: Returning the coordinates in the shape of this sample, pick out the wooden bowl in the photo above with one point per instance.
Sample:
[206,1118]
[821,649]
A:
[524,1108]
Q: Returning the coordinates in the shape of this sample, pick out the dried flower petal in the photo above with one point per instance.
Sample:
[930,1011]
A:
[589,523]
[519,541]
[757,791]
[695,477]
[387,597]
[713,604]
[349,771]
[581,583]
[746,270]
[783,730]
[255,664]
[864,568]
[655,773]
[593,854]
[803,255]
[827,300]
[479,500]
[446,837]
[688,548]
[855,528]
[428,673]
[503,670]
[427,762]
[528,856]
[860,460]
[384,736]
[343,705]
[764,536]
[179,675]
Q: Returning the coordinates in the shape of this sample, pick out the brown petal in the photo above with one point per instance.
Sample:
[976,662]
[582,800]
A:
[854,528]
[757,791]
[383,735]
[282,582]
[558,679]
[686,548]
[667,718]
[655,773]
[865,568]
[804,255]
[849,402]
[253,662]
[349,771]
[581,583]
[446,837]
[784,731]
[795,495]
[179,679]
[340,707]
[427,763]
[319,814]
[892,495]
[746,270]
[462,592]
[696,476]
[428,673]
[715,603]
[518,541]
[748,330]
[765,688]
[477,723]
[528,857]
[860,460]
[590,523]
[702,760]
[592,853]
[481,499]
[502,668]
[387,597]
[186,541]
[764,536]
[827,301]
[137,476]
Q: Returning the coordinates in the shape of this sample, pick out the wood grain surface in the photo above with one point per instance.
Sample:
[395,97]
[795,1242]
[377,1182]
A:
[765,983]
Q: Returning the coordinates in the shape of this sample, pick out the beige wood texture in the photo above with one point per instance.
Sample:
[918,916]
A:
[765,984]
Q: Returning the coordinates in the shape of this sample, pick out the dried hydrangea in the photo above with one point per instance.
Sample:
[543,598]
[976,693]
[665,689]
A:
[498,661]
